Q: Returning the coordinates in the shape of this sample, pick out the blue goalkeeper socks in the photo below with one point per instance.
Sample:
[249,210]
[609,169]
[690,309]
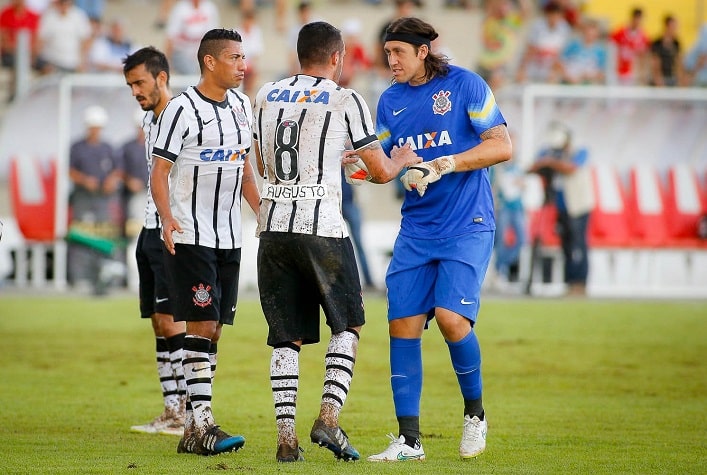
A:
[466,360]
[406,375]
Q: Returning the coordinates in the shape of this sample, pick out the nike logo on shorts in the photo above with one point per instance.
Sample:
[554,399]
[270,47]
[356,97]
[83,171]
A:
[160,300]
[466,302]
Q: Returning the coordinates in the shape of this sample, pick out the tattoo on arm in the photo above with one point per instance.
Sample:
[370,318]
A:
[372,146]
[499,132]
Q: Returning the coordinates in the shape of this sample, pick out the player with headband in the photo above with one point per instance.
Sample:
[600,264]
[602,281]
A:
[449,116]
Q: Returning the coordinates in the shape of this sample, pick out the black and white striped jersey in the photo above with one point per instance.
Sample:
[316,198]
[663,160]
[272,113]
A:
[303,125]
[208,143]
[149,127]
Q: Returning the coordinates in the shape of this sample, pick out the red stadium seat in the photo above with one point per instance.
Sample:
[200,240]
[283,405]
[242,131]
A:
[32,192]
[685,203]
[608,224]
[646,208]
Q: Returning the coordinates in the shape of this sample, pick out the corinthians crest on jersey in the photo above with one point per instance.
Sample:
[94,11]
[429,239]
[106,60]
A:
[241,118]
[441,104]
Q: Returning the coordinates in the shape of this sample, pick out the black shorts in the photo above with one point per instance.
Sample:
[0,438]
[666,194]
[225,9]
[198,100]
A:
[298,273]
[204,283]
[154,284]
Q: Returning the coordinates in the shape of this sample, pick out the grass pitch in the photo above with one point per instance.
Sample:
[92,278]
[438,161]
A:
[570,386]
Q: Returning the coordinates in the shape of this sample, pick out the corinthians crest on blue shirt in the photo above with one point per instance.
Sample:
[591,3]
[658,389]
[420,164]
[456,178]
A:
[441,103]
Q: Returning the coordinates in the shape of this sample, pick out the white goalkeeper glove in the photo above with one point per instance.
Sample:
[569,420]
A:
[356,173]
[419,176]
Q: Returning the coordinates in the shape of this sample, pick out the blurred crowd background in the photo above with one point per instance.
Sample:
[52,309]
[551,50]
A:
[658,44]
[650,42]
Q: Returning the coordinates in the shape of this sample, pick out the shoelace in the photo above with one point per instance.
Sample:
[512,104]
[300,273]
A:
[470,430]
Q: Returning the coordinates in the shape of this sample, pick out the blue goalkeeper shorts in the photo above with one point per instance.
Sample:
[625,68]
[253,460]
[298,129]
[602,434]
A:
[447,273]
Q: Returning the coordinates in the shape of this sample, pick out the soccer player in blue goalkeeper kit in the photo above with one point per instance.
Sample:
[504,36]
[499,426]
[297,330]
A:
[450,118]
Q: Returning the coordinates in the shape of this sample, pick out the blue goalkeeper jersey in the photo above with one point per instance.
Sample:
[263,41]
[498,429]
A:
[444,116]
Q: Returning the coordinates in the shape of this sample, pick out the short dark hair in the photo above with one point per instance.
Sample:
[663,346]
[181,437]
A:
[316,42]
[214,41]
[435,64]
[154,60]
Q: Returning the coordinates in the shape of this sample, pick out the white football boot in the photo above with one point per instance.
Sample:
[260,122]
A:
[399,451]
[474,437]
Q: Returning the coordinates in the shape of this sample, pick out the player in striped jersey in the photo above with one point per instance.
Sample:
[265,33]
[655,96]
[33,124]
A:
[146,72]
[450,117]
[305,257]
[200,172]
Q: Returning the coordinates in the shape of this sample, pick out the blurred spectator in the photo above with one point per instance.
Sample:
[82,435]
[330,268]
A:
[304,16]
[352,214]
[135,177]
[93,8]
[280,11]
[64,38]
[109,49]
[13,18]
[696,61]
[666,64]
[584,59]
[356,60]
[188,21]
[568,185]
[163,13]
[501,30]
[508,181]
[459,3]
[571,12]
[631,44]
[95,173]
[39,6]
[547,38]
[253,47]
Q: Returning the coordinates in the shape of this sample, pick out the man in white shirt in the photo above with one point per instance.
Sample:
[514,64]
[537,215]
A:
[187,23]
[64,38]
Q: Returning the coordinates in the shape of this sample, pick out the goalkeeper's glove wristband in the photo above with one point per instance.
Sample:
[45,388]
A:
[444,165]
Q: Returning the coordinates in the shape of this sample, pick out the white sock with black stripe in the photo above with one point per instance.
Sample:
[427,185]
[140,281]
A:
[164,371]
[284,382]
[197,374]
[213,359]
[176,349]
[339,363]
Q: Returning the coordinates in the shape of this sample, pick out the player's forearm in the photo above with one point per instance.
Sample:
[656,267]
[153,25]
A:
[382,169]
[252,197]
[159,187]
[250,188]
[160,196]
[385,170]
[488,153]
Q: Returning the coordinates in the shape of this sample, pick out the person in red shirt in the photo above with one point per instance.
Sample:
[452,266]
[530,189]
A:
[14,17]
[356,60]
[632,44]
